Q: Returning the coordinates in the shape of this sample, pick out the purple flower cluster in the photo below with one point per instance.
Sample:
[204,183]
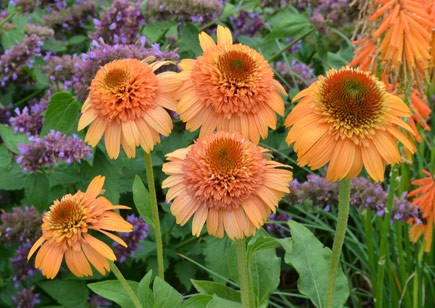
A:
[20,56]
[120,23]
[364,194]
[101,53]
[247,23]
[22,225]
[26,299]
[29,120]
[275,228]
[139,233]
[50,149]
[201,11]
[96,301]
[60,70]
[22,268]
[298,74]
[71,18]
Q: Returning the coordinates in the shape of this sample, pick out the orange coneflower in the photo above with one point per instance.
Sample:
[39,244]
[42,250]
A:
[424,198]
[230,87]
[65,231]
[347,119]
[227,181]
[126,103]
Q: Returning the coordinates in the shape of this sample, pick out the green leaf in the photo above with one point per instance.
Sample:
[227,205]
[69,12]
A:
[197,301]
[211,288]
[20,22]
[11,38]
[165,295]
[154,31]
[141,198]
[189,34]
[40,77]
[218,302]
[112,290]
[214,250]
[289,25]
[54,45]
[76,39]
[144,293]
[263,242]
[68,293]
[61,114]
[5,157]
[311,260]
[12,177]
[37,190]
[11,139]
[265,273]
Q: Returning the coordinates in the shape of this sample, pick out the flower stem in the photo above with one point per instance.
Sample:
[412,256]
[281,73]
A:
[343,214]
[125,285]
[155,214]
[246,291]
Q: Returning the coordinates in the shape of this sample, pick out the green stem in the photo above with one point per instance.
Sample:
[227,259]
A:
[286,47]
[340,232]
[125,285]
[246,291]
[369,240]
[155,214]
[384,241]
[9,17]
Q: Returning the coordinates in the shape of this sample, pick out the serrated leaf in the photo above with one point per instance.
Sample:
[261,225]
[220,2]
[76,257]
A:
[11,139]
[189,34]
[12,177]
[61,114]
[211,288]
[144,293]
[165,295]
[197,301]
[37,190]
[112,290]
[311,260]
[68,293]
[141,198]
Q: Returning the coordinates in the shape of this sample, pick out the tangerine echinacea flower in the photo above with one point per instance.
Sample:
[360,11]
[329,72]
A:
[126,103]
[66,232]
[225,181]
[347,119]
[424,198]
[230,87]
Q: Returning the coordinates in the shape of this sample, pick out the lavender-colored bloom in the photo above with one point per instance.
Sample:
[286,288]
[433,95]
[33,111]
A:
[364,194]
[14,60]
[201,11]
[298,74]
[120,23]
[102,53]
[22,225]
[26,299]
[50,149]
[278,229]
[60,70]
[247,23]
[139,233]
[22,268]
[72,18]
[29,120]
[96,301]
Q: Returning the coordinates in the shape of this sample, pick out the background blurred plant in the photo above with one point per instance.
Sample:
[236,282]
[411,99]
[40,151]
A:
[51,50]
